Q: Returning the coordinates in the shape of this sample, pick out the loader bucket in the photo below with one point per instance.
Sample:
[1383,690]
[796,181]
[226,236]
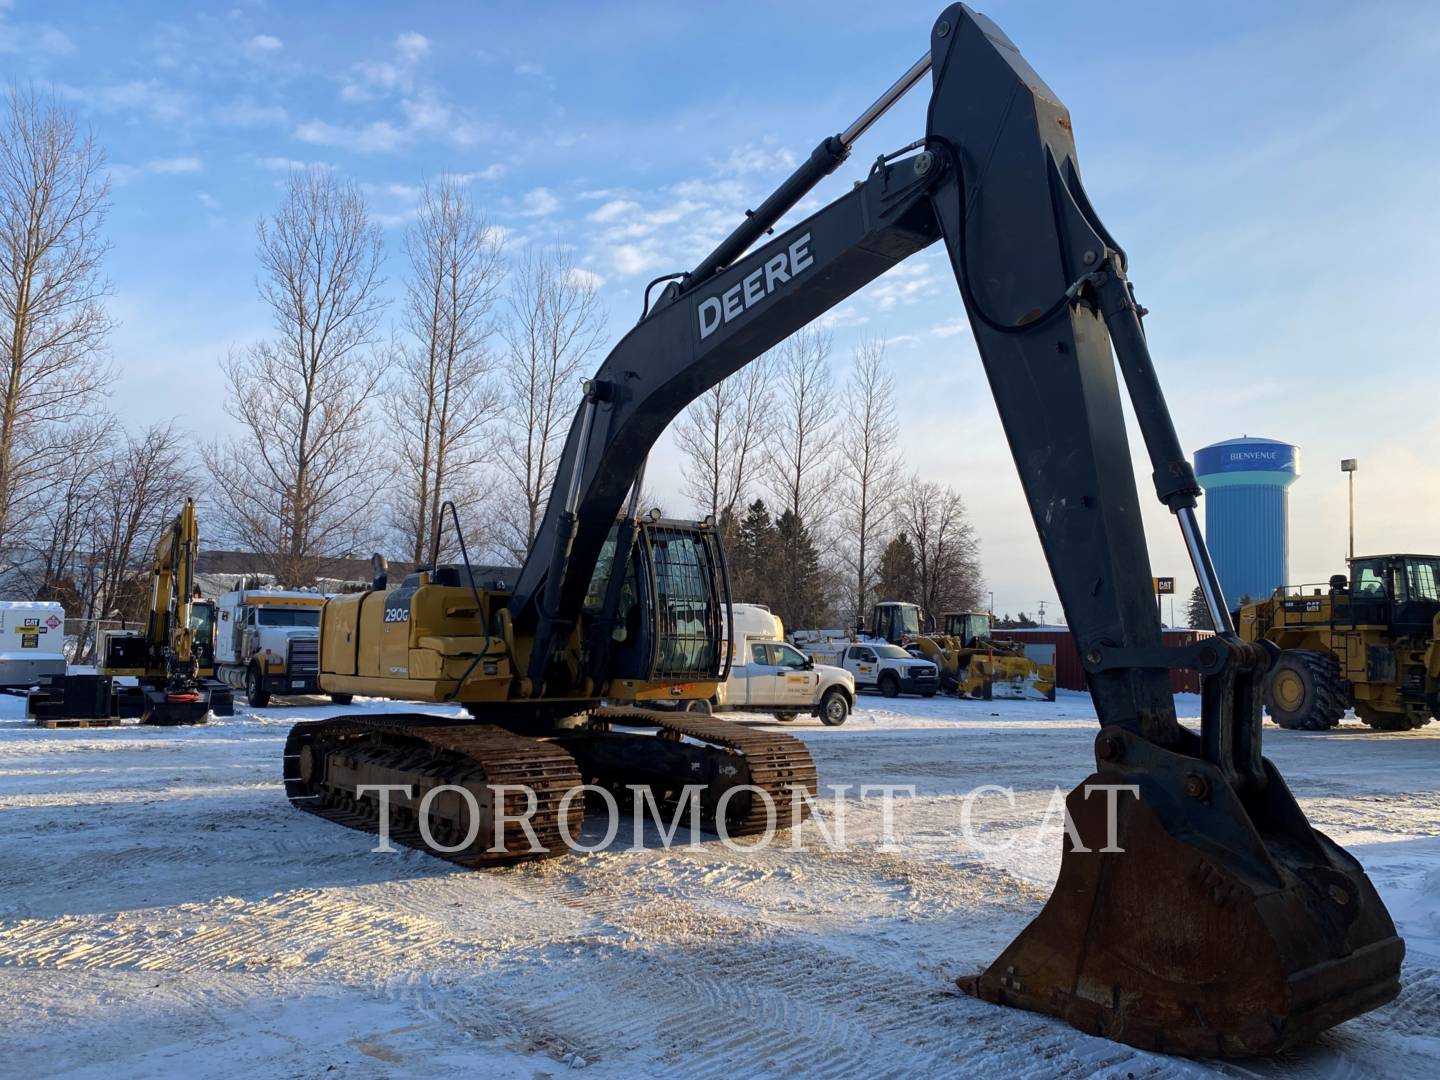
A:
[1221,927]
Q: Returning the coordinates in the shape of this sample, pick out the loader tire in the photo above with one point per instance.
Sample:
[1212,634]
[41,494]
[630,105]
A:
[1391,721]
[1304,691]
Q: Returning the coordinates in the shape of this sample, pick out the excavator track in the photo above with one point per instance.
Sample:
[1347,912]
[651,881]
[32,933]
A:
[777,764]
[326,760]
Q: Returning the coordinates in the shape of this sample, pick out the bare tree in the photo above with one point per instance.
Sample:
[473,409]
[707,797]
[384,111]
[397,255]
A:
[296,485]
[66,516]
[803,432]
[141,482]
[53,202]
[443,395]
[947,555]
[869,470]
[555,323]
[722,435]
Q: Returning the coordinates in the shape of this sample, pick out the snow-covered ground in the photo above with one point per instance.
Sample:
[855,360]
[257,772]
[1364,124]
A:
[164,912]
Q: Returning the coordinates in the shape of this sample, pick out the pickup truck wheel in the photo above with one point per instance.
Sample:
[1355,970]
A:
[342,699]
[786,717]
[928,693]
[255,692]
[834,708]
[889,685]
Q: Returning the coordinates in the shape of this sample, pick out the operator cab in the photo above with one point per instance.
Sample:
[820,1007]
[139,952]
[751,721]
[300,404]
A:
[968,626]
[202,627]
[1401,591]
[892,620]
[670,621]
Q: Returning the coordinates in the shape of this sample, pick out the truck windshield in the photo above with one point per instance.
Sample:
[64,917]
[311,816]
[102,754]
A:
[891,652]
[281,616]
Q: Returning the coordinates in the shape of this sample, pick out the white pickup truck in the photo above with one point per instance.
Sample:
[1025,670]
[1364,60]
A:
[768,675]
[877,665]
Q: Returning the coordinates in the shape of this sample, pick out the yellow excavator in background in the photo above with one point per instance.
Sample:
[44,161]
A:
[974,664]
[1197,913]
[172,660]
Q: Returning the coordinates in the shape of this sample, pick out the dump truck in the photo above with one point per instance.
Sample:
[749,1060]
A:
[1368,641]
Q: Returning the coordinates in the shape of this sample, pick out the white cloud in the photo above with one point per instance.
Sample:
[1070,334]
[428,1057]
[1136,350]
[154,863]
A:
[540,203]
[953,328]
[412,46]
[33,38]
[137,95]
[632,259]
[584,279]
[122,174]
[533,70]
[247,114]
[281,164]
[207,200]
[380,136]
[764,157]
[264,43]
[175,165]
[614,209]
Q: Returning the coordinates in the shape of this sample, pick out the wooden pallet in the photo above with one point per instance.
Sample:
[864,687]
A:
[72,722]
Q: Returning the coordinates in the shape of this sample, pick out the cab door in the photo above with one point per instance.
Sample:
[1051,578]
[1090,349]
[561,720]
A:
[762,676]
[795,673]
[864,665]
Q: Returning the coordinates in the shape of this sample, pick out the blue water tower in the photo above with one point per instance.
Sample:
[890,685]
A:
[1247,513]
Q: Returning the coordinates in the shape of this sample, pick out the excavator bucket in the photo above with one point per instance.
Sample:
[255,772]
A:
[1188,920]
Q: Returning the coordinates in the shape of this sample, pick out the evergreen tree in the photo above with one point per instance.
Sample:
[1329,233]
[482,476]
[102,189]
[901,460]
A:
[1197,615]
[797,588]
[898,575]
[753,556]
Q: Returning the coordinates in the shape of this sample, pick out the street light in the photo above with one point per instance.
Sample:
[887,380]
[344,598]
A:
[1350,465]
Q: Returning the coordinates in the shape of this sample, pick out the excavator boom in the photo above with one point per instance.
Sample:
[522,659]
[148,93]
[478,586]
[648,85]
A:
[1227,925]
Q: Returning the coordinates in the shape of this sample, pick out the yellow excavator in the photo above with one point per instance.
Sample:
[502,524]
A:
[172,660]
[1197,911]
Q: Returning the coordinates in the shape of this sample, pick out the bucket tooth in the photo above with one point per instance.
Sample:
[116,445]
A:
[1223,927]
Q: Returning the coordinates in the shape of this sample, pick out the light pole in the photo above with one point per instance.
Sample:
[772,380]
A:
[1349,466]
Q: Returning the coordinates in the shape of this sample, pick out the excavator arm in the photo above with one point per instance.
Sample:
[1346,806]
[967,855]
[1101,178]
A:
[1221,923]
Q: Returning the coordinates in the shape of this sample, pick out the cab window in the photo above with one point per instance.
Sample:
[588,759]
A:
[787,657]
[758,654]
[1422,580]
[1368,580]
[865,656]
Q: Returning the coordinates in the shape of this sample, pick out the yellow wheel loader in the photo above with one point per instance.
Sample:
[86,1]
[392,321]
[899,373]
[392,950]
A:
[974,664]
[1369,642]
[1197,912]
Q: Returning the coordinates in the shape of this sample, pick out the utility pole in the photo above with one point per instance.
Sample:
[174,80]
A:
[1349,466]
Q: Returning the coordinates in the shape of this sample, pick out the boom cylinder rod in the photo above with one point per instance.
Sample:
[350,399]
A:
[823,160]
[1175,483]
[882,104]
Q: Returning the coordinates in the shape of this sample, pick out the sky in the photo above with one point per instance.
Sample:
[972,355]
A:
[1271,170]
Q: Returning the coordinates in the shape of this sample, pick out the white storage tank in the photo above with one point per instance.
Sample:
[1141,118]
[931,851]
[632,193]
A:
[32,641]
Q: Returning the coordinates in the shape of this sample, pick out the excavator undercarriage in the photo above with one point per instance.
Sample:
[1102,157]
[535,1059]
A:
[1214,921]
